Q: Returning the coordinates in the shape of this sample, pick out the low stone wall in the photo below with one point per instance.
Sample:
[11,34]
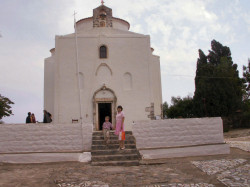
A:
[40,139]
[180,137]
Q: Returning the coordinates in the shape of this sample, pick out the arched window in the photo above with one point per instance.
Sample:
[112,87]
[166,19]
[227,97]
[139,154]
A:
[103,51]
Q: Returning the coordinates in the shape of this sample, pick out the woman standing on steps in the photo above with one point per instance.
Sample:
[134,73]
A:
[119,128]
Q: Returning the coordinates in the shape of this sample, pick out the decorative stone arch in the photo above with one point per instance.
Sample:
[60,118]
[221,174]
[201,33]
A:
[127,81]
[105,65]
[103,95]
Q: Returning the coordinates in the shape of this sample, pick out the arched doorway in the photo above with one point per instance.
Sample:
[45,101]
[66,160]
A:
[104,104]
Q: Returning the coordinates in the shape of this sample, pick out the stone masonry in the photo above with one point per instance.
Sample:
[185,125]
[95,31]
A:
[109,155]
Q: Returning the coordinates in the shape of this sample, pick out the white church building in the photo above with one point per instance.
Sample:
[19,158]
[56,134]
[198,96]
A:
[100,66]
[91,72]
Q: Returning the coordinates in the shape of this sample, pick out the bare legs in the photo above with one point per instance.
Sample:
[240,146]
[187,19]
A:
[122,146]
[106,136]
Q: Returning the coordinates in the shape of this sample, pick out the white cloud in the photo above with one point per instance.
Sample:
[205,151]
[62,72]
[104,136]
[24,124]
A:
[246,19]
[137,28]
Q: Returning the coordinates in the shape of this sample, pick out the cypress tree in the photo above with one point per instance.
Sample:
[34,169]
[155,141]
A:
[218,88]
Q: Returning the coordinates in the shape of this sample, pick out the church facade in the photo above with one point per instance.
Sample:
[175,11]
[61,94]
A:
[100,66]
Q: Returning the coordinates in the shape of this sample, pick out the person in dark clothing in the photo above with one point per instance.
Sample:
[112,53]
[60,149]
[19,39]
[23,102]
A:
[50,117]
[28,119]
[47,118]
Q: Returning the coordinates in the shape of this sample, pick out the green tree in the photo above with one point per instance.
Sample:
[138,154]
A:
[180,108]
[245,117]
[246,80]
[5,108]
[218,88]
[165,109]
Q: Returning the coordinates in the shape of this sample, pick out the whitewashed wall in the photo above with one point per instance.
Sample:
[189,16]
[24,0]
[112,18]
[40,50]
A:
[45,138]
[49,84]
[134,58]
[132,72]
[180,137]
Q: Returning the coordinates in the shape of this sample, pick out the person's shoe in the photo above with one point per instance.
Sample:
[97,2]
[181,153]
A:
[123,148]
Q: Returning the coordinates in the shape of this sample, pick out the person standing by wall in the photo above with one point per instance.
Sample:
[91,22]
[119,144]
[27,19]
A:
[47,118]
[33,118]
[119,128]
[28,118]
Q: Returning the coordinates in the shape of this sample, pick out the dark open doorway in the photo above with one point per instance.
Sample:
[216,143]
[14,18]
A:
[104,109]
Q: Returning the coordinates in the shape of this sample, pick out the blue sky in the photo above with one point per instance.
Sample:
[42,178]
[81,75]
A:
[177,29]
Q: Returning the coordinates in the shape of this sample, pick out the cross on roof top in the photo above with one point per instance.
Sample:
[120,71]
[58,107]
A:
[102,2]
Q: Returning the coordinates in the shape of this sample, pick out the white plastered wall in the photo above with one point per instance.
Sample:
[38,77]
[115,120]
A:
[157,139]
[127,53]
[37,143]
[156,85]
[49,81]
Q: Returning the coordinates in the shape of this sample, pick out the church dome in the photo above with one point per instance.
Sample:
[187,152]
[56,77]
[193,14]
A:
[102,17]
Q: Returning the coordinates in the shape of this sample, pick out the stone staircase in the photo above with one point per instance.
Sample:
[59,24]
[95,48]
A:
[109,155]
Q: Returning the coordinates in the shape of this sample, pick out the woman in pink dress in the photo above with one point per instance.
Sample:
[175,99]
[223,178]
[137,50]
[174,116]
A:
[119,128]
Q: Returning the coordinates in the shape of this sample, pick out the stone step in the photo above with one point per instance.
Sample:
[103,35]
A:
[114,152]
[97,133]
[109,155]
[112,135]
[102,142]
[120,157]
[116,163]
[127,137]
[112,146]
